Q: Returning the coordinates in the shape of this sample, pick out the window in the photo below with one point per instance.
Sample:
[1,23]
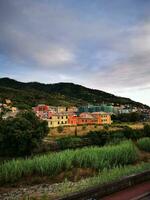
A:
[66,117]
[62,122]
[65,122]
[58,122]
[62,117]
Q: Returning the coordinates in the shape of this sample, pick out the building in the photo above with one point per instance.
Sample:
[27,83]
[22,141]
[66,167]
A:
[98,108]
[86,118]
[102,117]
[58,120]
[90,118]
[72,119]
[72,109]
[8,101]
[61,109]
[41,107]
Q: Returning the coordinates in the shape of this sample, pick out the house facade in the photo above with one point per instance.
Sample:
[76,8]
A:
[57,120]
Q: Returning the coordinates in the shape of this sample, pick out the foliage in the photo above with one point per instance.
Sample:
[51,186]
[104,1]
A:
[106,127]
[26,95]
[20,135]
[84,126]
[147,130]
[98,137]
[105,176]
[144,144]
[60,129]
[105,137]
[54,163]
[69,142]
[128,117]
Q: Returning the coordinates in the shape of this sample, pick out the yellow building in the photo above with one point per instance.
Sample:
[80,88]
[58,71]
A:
[61,109]
[8,101]
[58,120]
[13,109]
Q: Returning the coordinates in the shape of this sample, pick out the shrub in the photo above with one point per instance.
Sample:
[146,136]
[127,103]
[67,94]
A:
[147,130]
[69,142]
[144,144]
[84,126]
[106,127]
[98,137]
[60,129]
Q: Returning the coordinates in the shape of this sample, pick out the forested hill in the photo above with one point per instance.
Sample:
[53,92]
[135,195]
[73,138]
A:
[26,95]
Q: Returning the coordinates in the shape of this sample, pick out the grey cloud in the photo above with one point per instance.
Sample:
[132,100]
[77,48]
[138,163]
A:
[98,48]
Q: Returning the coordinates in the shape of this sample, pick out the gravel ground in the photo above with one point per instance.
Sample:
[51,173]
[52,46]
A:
[33,191]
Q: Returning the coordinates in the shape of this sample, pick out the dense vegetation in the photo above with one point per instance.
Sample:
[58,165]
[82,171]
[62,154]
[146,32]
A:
[54,163]
[105,176]
[103,137]
[19,136]
[144,144]
[128,117]
[26,95]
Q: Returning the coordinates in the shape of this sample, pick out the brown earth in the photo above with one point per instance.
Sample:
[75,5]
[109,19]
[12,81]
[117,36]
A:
[81,130]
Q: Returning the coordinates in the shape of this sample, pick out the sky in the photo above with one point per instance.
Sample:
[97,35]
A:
[100,44]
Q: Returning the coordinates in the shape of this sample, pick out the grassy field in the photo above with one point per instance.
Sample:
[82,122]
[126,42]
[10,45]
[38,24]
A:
[106,176]
[52,164]
[144,144]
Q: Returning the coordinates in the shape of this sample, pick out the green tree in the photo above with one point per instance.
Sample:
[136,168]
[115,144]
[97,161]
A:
[19,136]
[147,130]
[60,129]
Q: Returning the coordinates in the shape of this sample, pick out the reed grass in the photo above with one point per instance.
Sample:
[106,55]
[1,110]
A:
[52,164]
[144,144]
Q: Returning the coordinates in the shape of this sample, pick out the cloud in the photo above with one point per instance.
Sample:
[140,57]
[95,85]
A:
[100,44]
[54,56]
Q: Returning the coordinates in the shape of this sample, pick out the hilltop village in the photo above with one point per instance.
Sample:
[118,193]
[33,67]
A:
[83,115]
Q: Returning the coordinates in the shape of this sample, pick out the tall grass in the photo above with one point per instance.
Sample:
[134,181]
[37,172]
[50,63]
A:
[144,144]
[105,176]
[54,163]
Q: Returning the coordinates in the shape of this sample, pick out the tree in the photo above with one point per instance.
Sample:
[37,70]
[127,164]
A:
[128,117]
[147,130]
[19,136]
[60,129]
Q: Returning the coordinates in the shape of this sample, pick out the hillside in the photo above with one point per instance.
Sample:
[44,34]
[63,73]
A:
[26,95]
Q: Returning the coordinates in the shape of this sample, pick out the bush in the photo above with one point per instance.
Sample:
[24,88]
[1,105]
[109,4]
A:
[98,137]
[144,144]
[69,142]
[60,129]
[106,127]
[147,130]
[19,136]
[84,126]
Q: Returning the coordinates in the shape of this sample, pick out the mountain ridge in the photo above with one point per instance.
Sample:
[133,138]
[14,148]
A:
[26,95]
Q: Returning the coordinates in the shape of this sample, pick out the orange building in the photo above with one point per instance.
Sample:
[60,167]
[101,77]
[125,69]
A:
[72,119]
[102,117]
[86,118]
[90,118]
